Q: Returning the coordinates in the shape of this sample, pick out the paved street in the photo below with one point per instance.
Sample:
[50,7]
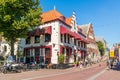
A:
[94,72]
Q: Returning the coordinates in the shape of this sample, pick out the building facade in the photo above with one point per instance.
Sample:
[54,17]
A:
[105,45]
[117,51]
[5,47]
[58,35]
[92,47]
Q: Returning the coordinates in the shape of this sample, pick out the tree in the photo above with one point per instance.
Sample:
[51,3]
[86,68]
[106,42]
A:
[17,17]
[101,48]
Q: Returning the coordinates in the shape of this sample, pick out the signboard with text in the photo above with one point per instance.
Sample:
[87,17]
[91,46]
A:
[111,54]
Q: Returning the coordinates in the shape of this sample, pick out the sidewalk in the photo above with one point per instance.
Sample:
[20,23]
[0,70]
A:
[42,73]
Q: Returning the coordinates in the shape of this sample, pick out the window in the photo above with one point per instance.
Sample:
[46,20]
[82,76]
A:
[61,37]
[47,56]
[68,38]
[79,43]
[28,40]
[41,52]
[63,50]
[47,52]
[37,39]
[28,53]
[65,38]
[75,41]
[84,45]
[37,52]
[47,37]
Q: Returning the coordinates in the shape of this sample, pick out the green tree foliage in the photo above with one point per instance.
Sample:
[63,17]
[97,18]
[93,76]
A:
[17,17]
[101,48]
[20,54]
[61,58]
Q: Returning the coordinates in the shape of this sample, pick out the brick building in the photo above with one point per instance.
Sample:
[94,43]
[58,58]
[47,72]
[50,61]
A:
[92,47]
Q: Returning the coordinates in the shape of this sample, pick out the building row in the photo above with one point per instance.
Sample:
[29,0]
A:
[60,35]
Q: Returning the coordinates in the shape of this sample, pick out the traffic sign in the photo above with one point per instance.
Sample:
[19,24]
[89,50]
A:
[112,54]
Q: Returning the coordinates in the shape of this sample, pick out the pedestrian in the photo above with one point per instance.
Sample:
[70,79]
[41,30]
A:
[108,63]
[111,64]
[81,64]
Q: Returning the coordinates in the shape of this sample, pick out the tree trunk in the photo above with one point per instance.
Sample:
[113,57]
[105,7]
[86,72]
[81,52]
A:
[12,47]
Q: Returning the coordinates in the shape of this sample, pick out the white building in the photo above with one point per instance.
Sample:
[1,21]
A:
[58,35]
[5,47]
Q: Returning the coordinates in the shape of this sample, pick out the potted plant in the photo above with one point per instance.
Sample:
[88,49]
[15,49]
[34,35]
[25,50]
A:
[61,60]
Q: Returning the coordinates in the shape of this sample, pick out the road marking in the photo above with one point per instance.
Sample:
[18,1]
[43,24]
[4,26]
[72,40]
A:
[95,76]
[44,76]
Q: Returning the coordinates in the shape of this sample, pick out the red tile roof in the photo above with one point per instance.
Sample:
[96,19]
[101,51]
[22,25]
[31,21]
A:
[53,15]
[68,20]
[50,15]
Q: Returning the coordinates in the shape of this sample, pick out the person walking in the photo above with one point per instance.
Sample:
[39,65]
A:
[108,64]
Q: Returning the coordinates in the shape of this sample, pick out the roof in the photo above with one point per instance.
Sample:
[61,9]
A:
[50,15]
[85,28]
[68,20]
[99,38]
[54,15]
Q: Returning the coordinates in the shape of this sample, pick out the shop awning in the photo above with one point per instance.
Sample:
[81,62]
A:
[48,30]
[38,31]
[77,36]
[35,32]
[64,30]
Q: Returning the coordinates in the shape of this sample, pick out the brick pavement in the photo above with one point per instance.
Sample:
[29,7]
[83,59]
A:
[41,72]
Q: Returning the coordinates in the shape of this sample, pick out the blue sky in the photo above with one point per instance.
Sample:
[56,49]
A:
[103,14]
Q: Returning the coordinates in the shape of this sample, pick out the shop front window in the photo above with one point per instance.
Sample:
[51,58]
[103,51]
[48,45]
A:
[47,56]
[28,53]
[27,56]
[63,50]
[41,52]
[37,52]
